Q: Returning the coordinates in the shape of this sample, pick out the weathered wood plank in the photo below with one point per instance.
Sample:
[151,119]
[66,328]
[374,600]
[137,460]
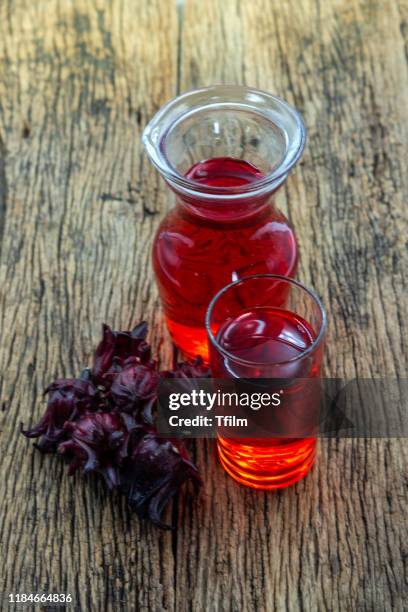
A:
[337,540]
[78,82]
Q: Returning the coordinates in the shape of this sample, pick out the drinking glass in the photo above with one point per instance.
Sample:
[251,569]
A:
[270,327]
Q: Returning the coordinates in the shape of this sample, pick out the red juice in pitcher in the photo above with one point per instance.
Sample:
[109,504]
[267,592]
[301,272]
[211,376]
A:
[224,151]
[199,249]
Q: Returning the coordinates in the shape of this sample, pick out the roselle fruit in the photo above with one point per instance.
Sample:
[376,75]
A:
[115,347]
[134,389]
[68,398]
[103,422]
[98,442]
[154,473]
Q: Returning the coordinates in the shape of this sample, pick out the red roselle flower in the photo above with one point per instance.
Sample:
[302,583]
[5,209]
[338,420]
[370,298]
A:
[103,421]
[154,473]
[68,398]
[134,389]
[115,348]
[98,442]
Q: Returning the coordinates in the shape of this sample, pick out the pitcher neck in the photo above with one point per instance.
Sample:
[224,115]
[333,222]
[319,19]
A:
[228,124]
[222,209]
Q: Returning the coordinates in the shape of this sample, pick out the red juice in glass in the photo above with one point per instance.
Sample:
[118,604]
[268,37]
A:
[224,151]
[251,338]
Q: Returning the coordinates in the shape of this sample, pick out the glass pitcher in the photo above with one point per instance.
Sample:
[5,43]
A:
[224,151]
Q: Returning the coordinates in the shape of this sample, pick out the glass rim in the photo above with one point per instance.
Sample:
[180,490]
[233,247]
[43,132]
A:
[172,112]
[279,277]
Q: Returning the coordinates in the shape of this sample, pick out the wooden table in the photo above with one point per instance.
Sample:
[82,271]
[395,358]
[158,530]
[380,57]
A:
[79,204]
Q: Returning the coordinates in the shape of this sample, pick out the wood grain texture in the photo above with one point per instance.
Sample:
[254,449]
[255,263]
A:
[79,80]
[79,205]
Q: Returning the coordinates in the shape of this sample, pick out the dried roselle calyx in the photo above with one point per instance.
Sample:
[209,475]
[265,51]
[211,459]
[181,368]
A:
[134,390]
[154,473]
[68,398]
[115,347]
[103,422]
[97,442]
